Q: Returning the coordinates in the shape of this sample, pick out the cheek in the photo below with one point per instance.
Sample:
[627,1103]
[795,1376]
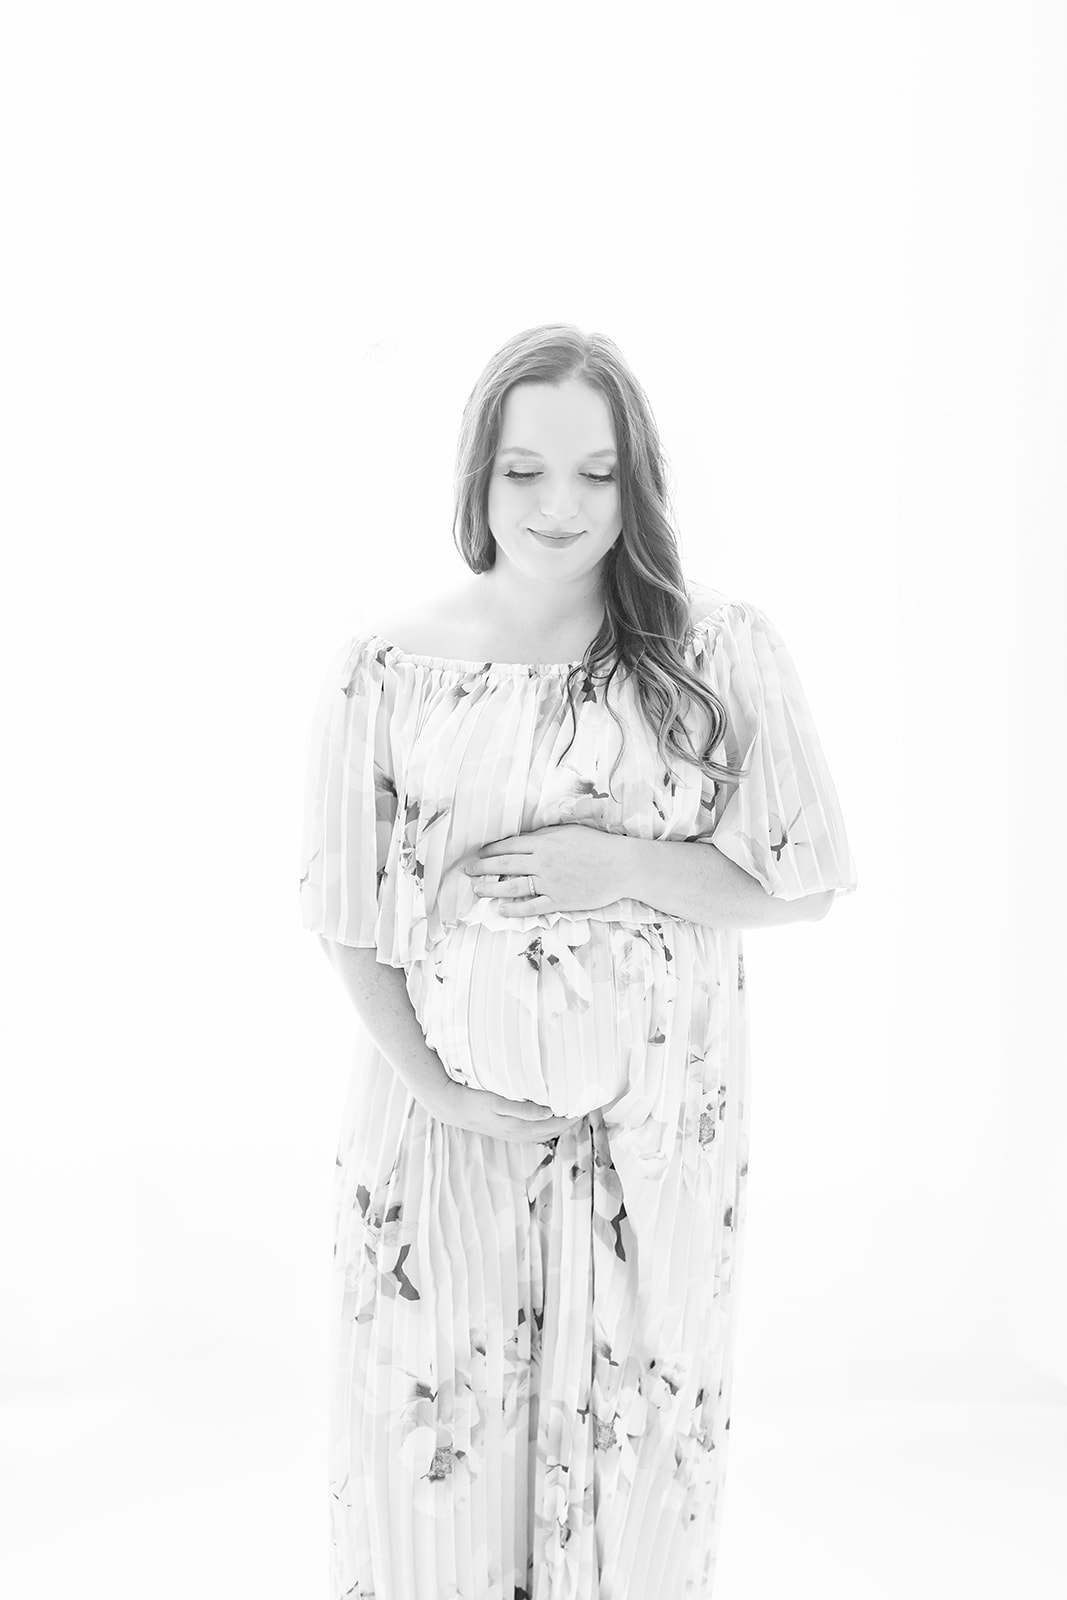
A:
[507,499]
[609,515]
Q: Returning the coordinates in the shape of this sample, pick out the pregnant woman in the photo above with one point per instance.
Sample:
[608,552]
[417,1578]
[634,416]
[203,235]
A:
[539,813]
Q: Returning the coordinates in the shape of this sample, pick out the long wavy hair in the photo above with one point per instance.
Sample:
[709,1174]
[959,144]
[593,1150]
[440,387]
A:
[647,622]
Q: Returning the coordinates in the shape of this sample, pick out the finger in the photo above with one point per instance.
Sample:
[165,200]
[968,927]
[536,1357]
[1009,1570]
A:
[529,1110]
[512,906]
[549,1127]
[544,1133]
[513,888]
[502,865]
[553,1130]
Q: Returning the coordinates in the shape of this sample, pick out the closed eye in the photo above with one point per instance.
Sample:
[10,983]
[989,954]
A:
[594,477]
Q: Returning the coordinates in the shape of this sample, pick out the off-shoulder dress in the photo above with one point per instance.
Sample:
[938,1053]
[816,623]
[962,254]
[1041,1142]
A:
[533,1343]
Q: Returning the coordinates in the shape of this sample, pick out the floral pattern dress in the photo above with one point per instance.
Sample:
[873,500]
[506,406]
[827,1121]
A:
[533,1344]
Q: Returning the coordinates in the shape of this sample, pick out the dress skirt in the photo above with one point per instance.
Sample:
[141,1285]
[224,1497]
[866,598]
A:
[533,1343]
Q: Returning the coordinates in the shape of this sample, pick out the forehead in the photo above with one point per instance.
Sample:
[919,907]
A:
[542,418]
[535,455]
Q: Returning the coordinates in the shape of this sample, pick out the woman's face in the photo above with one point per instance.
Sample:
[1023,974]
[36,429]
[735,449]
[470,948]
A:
[555,472]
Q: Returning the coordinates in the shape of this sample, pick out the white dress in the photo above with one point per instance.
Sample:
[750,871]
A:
[533,1343]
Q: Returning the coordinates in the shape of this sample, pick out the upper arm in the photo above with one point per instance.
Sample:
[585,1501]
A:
[350,798]
[781,822]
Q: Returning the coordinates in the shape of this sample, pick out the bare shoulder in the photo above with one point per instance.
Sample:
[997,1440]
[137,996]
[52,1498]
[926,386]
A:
[440,626]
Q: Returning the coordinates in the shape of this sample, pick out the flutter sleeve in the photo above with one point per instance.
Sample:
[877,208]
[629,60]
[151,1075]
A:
[350,799]
[783,822]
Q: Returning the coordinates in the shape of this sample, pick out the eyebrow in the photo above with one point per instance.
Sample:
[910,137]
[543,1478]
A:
[521,450]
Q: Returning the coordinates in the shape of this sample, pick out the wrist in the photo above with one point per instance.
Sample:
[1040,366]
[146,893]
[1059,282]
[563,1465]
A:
[632,866]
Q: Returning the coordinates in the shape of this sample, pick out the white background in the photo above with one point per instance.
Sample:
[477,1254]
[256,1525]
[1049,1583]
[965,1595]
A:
[256,258]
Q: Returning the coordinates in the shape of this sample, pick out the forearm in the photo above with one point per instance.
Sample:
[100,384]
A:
[380,995]
[692,880]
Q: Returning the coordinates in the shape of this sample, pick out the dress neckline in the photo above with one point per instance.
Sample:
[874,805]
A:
[527,669]
[458,664]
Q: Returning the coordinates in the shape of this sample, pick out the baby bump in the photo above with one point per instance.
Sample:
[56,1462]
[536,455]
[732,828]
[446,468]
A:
[561,1015]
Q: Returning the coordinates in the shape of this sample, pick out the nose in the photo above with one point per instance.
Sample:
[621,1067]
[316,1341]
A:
[558,506]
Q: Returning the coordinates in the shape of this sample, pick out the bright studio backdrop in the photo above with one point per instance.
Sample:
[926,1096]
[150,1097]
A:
[261,254]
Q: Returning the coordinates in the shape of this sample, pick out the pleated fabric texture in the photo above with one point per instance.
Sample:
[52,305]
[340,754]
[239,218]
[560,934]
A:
[533,1344]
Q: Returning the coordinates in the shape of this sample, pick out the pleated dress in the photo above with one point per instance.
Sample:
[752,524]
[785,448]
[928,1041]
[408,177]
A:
[533,1344]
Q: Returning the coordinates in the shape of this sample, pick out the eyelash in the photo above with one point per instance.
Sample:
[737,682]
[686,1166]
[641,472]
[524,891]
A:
[524,477]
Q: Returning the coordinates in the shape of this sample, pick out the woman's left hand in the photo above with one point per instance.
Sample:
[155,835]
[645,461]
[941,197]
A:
[573,868]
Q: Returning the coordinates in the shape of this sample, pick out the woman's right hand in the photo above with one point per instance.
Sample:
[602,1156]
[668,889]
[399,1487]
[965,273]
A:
[482,1111]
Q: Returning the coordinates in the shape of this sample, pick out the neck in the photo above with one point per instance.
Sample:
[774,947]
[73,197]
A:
[541,607]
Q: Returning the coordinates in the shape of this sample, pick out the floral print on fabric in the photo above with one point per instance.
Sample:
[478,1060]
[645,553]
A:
[533,1344]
